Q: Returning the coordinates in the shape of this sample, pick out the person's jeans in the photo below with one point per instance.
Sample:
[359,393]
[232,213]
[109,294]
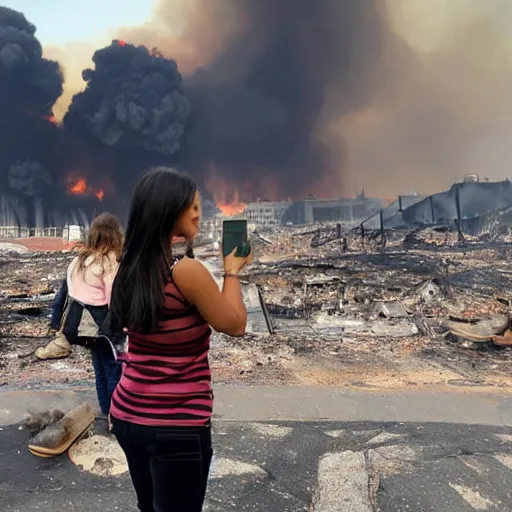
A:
[169,466]
[58,305]
[107,371]
[74,314]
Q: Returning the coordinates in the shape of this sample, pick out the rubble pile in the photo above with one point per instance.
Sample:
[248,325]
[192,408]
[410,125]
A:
[444,300]
[366,292]
[28,283]
[345,312]
[29,274]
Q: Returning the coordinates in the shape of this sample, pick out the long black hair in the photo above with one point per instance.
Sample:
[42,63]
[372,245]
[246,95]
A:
[137,294]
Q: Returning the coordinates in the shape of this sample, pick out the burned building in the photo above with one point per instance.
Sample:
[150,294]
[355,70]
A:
[345,210]
[392,215]
[266,214]
[462,203]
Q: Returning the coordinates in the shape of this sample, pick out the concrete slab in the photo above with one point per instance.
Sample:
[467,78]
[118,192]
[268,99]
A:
[342,483]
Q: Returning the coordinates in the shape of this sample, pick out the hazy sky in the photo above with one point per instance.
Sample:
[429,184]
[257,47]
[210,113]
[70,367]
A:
[61,21]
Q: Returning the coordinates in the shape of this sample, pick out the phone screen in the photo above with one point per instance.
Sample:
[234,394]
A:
[234,234]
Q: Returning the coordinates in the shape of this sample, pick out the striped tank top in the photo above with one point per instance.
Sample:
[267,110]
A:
[166,378]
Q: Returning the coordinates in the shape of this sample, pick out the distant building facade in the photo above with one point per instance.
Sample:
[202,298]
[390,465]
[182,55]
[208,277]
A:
[265,214]
[345,210]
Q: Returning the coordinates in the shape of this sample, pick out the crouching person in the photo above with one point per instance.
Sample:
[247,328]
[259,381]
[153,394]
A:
[89,284]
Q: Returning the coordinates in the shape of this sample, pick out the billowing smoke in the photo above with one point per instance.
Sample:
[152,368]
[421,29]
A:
[29,178]
[134,99]
[278,99]
[444,110]
[258,106]
[413,93]
[29,86]
[259,74]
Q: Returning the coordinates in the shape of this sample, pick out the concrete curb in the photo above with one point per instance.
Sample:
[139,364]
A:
[271,403]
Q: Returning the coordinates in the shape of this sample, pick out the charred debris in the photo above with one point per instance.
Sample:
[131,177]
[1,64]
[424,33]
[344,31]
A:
[438,302]
[444,281]
[326,282]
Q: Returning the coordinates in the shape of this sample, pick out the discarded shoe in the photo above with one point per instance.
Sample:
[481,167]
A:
[58,437]
[482,330]
[34,422]
[57,348]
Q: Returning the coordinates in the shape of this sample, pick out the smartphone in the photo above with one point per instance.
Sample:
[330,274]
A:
[234,234]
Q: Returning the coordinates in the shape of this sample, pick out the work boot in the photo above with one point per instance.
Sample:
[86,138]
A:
[57,348]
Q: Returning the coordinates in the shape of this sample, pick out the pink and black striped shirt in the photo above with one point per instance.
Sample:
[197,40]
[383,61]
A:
[166,378]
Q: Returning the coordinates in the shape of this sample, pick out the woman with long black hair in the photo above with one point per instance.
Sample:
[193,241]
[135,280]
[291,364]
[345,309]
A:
[162,407]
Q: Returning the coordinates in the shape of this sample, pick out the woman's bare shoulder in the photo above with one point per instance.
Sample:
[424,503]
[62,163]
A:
[189,271]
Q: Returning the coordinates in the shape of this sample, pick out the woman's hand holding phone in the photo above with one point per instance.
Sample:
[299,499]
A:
[233,264]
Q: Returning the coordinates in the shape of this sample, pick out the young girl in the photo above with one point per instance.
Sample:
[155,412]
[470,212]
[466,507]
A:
[162,407]
[89,284]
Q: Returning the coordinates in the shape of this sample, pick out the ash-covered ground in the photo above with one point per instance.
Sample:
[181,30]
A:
[436,314]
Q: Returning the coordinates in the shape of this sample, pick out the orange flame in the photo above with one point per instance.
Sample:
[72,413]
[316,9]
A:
[229,210]
[234,207]
[80,187]
[224,194]
[121,43]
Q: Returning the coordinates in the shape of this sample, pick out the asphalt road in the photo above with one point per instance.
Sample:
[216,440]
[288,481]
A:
[292,466]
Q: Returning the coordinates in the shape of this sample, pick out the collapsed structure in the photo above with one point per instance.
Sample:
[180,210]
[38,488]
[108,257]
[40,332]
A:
[470,207]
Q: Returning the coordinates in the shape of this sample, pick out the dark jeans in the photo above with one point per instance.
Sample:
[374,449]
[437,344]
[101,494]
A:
[74,314]
[58,305]
[169,466]
[107,371]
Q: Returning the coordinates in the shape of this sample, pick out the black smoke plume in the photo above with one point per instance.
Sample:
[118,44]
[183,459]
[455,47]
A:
[254,110]
[29,178]
[29,84]
[29,141]
[257,107]
[134,99]
[130,116]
